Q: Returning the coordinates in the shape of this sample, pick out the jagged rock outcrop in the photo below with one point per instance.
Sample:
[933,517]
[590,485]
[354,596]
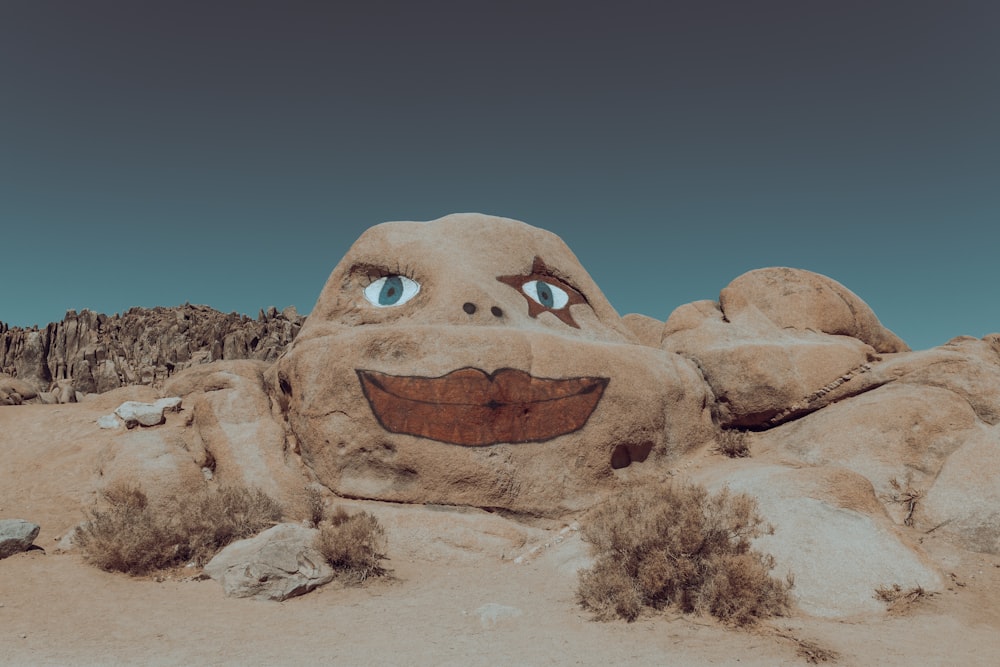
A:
[89,352]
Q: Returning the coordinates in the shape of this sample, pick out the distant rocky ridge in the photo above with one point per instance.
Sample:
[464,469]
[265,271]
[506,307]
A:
[89,352]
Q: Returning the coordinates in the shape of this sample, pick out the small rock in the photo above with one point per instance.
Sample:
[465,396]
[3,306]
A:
[16,535]
[109,421]
[277,564]
[136,413]
[169,404]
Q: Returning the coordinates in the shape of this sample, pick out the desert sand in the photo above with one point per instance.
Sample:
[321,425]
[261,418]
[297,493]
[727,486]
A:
[457,595]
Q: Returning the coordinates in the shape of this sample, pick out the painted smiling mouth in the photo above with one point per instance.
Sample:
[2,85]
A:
[474,408]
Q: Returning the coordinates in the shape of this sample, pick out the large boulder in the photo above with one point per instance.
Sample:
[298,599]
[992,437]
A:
[807,301]
[965,498]
[236,435]
[902,433]
[15,392]
[777,341]
[277,564]
[759,372]
[472,360]
[831,534]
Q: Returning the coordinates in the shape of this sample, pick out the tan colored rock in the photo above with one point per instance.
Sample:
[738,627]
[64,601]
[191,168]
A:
[233,437]
[965,498]
[758,371]
[831,533]
[896,432]
[495,373]
[803,300]
[16,392]
[648,330]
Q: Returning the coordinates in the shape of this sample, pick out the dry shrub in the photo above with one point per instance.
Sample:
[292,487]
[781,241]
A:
[315,507]
[353,544]
[209,520]
[128,536]
[131,534]
[733,443]
[680,546]
[898,599]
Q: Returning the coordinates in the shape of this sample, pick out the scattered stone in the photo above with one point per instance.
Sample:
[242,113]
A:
[136,413]
[16,535]
[277,564]
[109,421]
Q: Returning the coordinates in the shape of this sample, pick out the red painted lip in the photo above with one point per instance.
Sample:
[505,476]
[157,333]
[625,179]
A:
[474,408]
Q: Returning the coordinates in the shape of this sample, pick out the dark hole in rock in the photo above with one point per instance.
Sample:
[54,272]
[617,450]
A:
[624,455]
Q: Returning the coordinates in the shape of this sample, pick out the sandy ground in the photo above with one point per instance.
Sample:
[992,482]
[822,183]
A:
[458,595]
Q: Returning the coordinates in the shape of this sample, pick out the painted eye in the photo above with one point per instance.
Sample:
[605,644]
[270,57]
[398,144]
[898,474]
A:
[391,291]
[546,294]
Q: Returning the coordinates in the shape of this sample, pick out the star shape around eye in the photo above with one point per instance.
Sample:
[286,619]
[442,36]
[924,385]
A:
[527,286]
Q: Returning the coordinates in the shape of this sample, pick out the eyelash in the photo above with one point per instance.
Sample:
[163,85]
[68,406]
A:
[373,273]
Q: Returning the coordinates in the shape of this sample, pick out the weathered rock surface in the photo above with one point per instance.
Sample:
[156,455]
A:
[777,340]
[757,370]
[831,533]
[14,391]
[807,301]
[16,535]
[491,372]
[96,353]
[277,564]
[477,388]
[964,500]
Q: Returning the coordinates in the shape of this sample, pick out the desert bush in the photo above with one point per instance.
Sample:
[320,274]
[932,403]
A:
[315,507]
[128,535]
[131,534]
[680,546]
[353,544]
[732,443]
[211,519]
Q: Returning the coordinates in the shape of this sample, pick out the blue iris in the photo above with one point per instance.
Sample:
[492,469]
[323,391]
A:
[544,294]
[391,291]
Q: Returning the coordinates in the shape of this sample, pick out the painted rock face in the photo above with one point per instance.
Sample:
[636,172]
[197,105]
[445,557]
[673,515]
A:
[472,360]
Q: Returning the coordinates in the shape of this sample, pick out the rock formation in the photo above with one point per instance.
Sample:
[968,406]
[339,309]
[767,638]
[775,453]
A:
[490,371]
[472,361]
[87,352]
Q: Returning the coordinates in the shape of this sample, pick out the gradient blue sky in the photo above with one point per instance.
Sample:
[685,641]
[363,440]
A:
[228,153]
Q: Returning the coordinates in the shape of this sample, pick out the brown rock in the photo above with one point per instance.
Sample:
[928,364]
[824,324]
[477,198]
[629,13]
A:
[233,435]
[759,372]
[896,432]
[489,333]
[803,300]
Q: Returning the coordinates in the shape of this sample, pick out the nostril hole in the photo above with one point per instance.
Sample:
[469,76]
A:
[469,307]
[496,312]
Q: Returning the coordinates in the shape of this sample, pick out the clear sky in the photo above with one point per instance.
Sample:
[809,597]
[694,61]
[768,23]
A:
[228,153]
